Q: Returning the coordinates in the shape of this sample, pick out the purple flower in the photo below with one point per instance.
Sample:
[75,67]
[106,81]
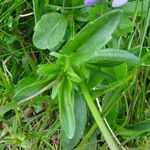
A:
[89,3]
[118,3]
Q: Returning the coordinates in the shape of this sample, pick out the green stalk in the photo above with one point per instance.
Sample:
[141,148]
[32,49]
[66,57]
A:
[146,25]
[87,136]
[100,122]
[38,9]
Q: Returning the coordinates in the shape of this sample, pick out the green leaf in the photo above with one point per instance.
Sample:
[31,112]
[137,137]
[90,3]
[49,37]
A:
[63,62]
[97,75]
[121,71]
[49,31]
[80,121]
[110,71]
[94,35]
[104,56]
[126,133]
[30,87]
[24,82]
[66,107]
[143,126]
[135,130]
[73,76]
[48,69]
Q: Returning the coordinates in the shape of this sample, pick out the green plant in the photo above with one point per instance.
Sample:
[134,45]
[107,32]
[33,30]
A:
[82,57]
[84,49]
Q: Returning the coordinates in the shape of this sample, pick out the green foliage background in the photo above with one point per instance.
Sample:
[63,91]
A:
[74,77]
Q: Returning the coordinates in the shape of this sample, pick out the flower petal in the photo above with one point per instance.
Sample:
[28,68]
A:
[89,3]
[118,3]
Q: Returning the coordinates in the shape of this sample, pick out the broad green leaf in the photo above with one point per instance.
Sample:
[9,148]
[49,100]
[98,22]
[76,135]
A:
[80,121]
[48,69]
[66,107]
[94,35]
[63,62]
[121,71]
[49,31]
[29,88]
[104,56]
[110,71]
[97,75]
[143,126]
[73,76]
[133,131]
[112,86]
[24,82]
[127,133]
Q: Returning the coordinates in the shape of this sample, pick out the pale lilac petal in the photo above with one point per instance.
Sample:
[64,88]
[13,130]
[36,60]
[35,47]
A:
[118,3]
[89,3]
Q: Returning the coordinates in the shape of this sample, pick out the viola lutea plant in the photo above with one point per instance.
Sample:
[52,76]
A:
[71,77]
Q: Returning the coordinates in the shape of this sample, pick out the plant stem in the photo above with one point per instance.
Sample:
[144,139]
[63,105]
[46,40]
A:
[100,122]
[87,136]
